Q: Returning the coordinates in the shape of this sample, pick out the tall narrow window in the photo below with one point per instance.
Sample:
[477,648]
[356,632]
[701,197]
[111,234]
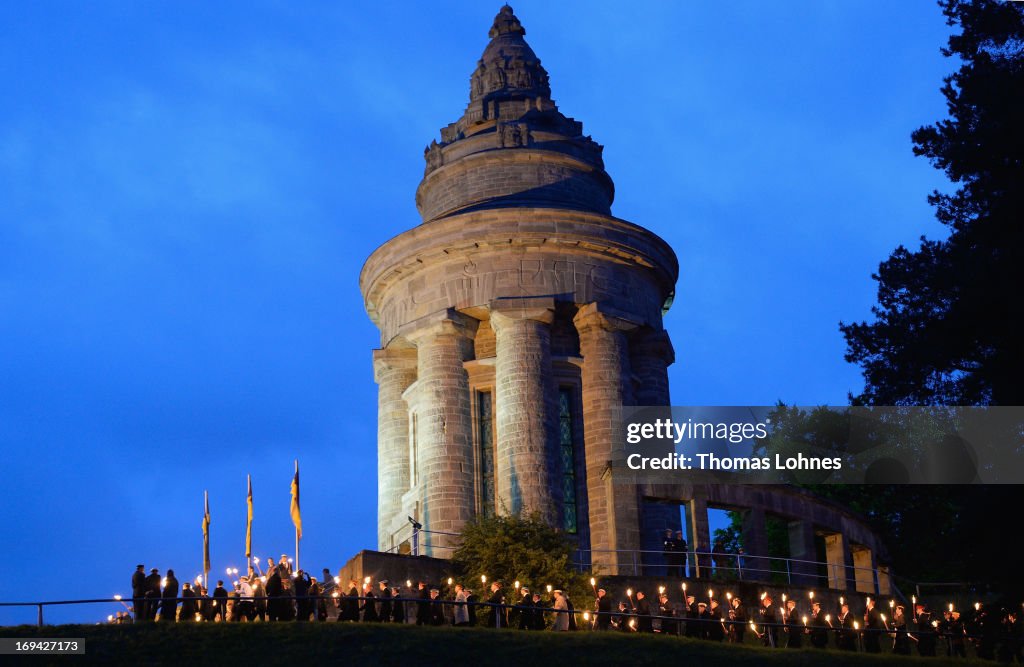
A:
[567,445]
[485,436]
[413,471]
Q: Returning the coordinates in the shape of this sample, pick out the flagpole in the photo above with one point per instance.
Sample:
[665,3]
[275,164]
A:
[296,527]
[206,540]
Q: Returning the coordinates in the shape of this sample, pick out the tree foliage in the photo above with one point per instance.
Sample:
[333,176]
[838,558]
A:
[523,548]
[947,327]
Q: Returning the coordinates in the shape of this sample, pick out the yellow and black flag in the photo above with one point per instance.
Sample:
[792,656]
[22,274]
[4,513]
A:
[296,514]
[206,532]
[248,521]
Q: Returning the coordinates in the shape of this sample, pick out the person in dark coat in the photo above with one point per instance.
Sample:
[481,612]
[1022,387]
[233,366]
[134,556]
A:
[693,624]
[188,603]
[152,594]
[769,620]
[169,608]
[794,626]
[525,609]
[669,626]
[818,626]
[274,590]
[303,605]
[139,592]
[385,602]
[670,552]
[872,628]
[572,612]
[957,636]
[642,609]
[423,605]
[926,635]
[901,639]
[317,602]
[737,621]
[436,607]
[350,605]
[220,601]
[715,629]
[397,606]
[496,613]
[846,640]
[539,622]
[603,608]
[369,607]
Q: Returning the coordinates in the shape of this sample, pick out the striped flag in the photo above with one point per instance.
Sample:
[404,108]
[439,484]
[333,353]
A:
[296,514]
[206,532]
[248,521]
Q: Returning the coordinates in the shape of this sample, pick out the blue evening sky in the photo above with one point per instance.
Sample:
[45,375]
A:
[188,191]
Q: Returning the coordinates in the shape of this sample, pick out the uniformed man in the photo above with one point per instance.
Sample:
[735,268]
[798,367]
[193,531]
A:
[873,628]
[847,634]
[927,632]
[667,612]
[769,621]
[794,627]
[818,626]
[737,621]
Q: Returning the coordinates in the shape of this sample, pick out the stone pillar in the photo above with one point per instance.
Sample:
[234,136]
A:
[801,548]
[864,570]
[884,580]
[613,509]
[526,409]
[650,355]
[444,426]
[698,538]
[394,370]
[837,556]
[754,563]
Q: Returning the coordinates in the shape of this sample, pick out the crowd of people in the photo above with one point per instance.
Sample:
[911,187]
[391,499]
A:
[281,594]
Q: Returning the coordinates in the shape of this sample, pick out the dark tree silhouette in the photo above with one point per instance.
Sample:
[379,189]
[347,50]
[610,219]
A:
[949,324]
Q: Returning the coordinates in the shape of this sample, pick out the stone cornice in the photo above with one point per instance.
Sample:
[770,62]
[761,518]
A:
[454,238]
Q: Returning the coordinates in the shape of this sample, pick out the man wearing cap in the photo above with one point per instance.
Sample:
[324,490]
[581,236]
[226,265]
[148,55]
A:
[846,640]
[926,635]
[188,603]
[525,609]
[139,592]
[794,629]
[669,626]
[245,604]
[692,617]
[737,621]
[818,625]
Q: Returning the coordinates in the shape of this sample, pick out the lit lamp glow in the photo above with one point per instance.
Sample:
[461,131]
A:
[516,583]
[549,588]
[483,578]
[811,595]
[449,581]
[804,619]
[117,597]
[366,580]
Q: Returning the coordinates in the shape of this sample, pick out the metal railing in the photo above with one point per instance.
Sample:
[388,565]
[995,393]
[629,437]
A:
[698,564]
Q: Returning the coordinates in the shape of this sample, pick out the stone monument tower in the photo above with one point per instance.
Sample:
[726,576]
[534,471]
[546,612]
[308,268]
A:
[513,321]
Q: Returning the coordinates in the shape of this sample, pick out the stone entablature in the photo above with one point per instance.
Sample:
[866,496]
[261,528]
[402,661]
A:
[469,260]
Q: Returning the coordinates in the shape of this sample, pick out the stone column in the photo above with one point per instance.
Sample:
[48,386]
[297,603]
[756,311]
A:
[699,536]
[444,425]
[394,370]
[526,407]
[613,509]
[754,564]
[801,548]
[650,355]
